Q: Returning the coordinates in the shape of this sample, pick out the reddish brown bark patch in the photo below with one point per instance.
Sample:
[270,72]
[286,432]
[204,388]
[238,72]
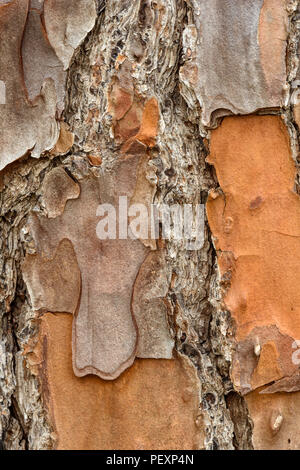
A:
[276,420]
[257,220]
[150,406]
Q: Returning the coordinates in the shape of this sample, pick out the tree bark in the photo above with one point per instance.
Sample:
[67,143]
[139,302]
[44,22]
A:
[143,343]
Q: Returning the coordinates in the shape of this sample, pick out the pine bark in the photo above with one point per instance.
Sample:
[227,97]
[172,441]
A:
[135,106]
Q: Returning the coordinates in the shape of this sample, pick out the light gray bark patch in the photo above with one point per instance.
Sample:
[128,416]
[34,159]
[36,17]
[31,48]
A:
[228,73]
[67,24]
[104,334]
[40,61]
[58,188]
[106,324]
[31,71]
[35,123]
[53,284]
[151,309]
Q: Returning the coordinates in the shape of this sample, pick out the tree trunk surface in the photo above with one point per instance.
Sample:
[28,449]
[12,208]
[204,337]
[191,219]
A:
[149,342]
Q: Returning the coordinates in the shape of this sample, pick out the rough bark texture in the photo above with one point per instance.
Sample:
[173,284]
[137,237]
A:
[143,344]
